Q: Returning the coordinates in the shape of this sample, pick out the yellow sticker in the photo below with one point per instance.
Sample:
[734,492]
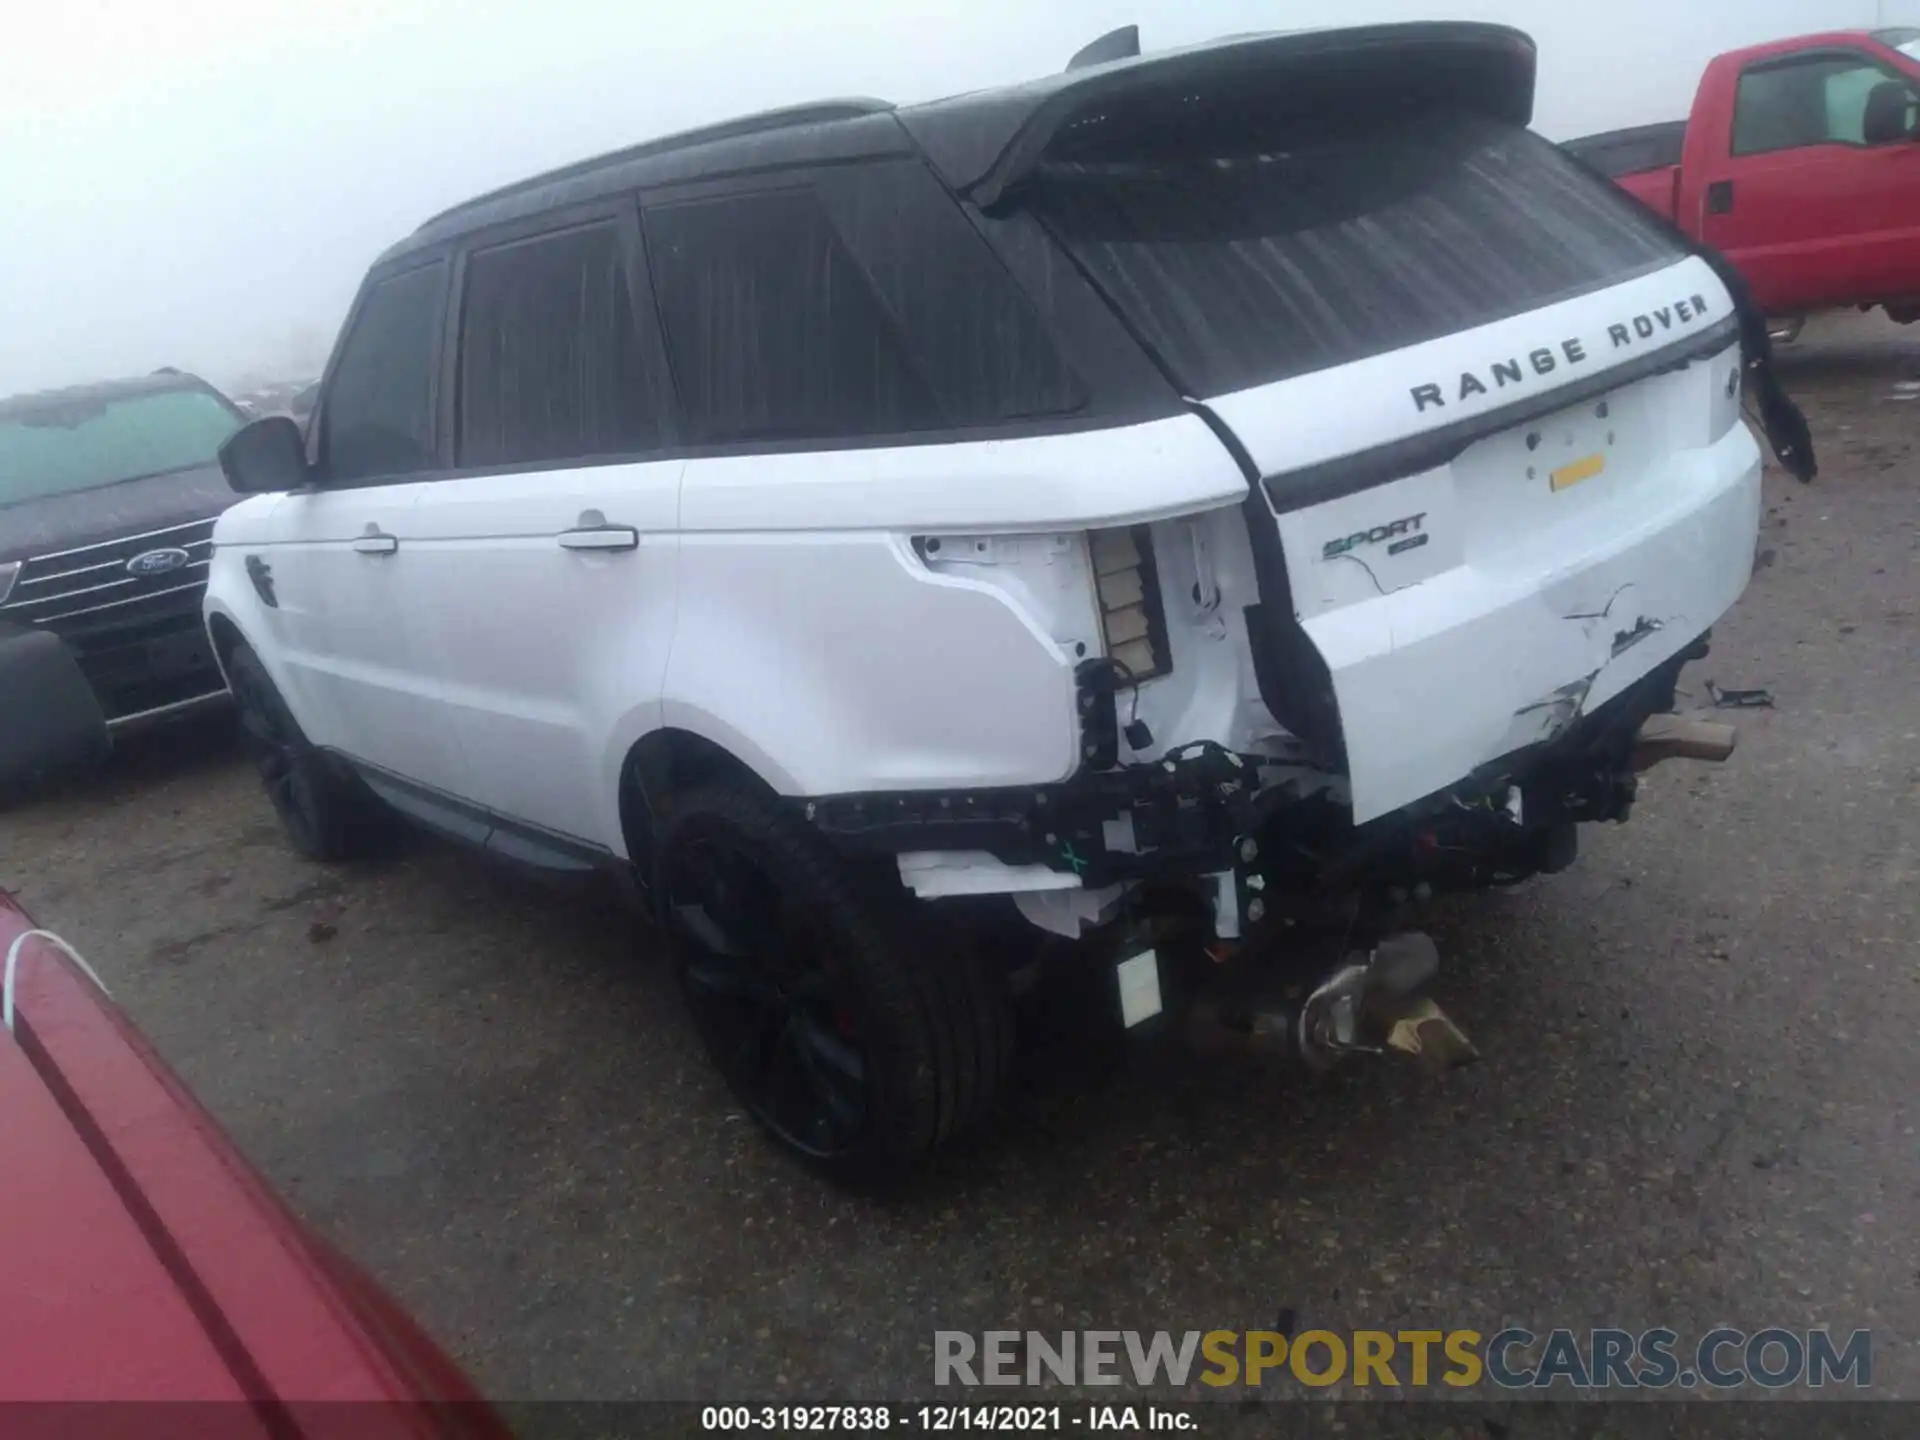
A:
[1569,475]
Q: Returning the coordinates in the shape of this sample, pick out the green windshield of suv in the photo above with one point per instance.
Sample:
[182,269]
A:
[83,444]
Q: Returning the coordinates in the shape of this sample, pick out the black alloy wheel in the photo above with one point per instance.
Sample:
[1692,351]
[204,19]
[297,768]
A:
[319,807]
[770,1002]
[848,1025]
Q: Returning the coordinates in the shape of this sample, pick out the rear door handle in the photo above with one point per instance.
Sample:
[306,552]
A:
[600,537]
[375,542]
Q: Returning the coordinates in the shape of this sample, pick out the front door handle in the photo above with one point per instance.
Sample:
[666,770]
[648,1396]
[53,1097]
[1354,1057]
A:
[375,542]
[1720,197]
[600,537]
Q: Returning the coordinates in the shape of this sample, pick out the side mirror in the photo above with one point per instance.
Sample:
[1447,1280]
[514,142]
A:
[1889,115]
[264,457]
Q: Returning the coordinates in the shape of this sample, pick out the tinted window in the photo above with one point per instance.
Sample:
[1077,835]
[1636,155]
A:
[1817,101]
[970,331]
[772,329]
[377,418]
[551,366]
[1292,253]
[82,443]
[1629,152]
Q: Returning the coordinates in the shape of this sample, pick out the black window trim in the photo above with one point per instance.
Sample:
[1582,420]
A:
[1793,61]
[317,420]
[623,212]
[1100,410]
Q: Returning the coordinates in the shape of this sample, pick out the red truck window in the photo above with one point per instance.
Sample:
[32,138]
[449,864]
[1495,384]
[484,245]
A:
[1808,100]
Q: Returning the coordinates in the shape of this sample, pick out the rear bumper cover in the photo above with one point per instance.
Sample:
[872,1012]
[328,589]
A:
[50,720]
[1537,650]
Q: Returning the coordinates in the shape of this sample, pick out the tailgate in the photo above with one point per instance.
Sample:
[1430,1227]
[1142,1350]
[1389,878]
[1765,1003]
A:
[1490,402]
[1476,582]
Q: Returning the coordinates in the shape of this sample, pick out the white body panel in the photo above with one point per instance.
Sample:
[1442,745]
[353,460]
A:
[344,634]
[1511,642]
[816,645]
[1499,619]
[531,654]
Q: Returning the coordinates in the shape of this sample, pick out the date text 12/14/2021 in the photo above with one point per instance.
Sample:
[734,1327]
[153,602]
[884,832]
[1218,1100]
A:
[940,1419]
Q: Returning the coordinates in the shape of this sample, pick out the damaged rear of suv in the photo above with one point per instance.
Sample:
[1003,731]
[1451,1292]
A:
[1190,505]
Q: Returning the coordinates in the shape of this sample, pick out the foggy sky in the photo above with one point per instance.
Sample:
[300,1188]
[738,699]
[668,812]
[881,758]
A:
[201,183]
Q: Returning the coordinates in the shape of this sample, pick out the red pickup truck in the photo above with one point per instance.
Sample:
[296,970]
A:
[1800,163]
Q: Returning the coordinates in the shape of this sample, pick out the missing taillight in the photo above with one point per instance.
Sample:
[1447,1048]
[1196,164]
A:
[1132,619]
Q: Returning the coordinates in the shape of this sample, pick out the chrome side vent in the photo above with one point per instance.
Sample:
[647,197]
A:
[1131,617]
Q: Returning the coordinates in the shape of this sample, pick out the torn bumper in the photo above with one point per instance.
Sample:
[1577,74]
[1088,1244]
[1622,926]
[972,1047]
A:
[49,719]
[1438,679]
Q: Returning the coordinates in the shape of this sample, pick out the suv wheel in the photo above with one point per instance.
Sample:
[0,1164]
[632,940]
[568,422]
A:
[322,809]
[858,1039]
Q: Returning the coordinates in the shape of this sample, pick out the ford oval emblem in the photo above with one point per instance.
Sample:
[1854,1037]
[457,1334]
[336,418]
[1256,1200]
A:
[157,562]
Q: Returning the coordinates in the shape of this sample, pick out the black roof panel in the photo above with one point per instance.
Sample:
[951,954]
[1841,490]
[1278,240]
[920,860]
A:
[803,134]
[984,141]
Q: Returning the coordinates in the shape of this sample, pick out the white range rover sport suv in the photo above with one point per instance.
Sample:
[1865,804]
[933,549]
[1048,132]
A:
[1177,514]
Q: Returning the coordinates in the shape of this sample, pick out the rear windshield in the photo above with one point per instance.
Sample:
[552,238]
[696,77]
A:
[84,444]
[1243,268]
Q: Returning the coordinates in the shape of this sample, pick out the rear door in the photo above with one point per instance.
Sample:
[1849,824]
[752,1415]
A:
[1814,212]
[549,558]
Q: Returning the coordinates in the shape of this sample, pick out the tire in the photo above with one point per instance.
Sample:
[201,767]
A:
[857,1035]
[324,810]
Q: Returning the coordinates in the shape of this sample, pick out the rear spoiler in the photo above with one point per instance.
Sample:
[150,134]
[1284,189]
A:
[985,146]
[1121,44]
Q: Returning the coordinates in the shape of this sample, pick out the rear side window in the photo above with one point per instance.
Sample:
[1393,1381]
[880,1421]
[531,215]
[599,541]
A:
[1307,251]
[551,364]
[968,327]
[1818,100]
[863,306]
[377,419]
[773,331]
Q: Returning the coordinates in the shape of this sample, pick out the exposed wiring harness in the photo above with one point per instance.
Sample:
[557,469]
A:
[13,960]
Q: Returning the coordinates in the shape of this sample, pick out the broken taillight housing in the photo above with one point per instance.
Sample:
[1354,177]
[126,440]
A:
[1132,620]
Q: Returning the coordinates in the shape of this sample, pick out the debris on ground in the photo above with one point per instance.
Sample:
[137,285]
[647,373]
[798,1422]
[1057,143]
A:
[1739,699]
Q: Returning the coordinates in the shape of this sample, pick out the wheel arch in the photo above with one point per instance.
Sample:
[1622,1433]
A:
[674,758]
[226,635]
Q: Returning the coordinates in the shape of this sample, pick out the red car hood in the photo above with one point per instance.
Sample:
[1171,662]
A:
[143,1259]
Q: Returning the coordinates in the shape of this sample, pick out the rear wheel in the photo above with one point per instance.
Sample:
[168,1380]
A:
[324,810]
[858,1038]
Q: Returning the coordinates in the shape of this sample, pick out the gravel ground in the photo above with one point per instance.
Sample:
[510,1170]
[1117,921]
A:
[1699,1103]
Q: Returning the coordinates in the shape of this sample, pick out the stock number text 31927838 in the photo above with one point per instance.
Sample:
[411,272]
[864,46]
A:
[935,1418]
